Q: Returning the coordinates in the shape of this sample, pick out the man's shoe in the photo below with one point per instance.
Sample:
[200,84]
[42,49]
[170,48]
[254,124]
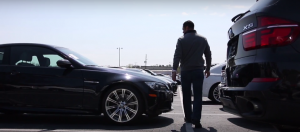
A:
[187,120]
[198,125]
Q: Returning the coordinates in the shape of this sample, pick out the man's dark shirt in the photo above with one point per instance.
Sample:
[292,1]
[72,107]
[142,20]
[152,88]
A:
[189,51]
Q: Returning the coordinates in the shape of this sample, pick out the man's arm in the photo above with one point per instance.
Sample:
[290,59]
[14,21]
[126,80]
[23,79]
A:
[176,59]
[207,54]
[177,55]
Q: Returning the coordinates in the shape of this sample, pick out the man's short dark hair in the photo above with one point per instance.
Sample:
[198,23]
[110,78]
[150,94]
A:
[188,23]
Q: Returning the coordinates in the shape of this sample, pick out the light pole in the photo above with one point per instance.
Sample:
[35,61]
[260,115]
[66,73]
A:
[145,62]
[119,56]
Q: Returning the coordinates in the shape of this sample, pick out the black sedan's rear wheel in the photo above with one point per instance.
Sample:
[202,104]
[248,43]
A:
[122,104]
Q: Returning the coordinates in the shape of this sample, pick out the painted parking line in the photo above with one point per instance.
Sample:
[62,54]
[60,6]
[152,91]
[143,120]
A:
[188,126]
[46,130]
[201,114]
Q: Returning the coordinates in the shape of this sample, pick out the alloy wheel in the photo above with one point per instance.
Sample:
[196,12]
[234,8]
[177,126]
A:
[121,105]
[216,94]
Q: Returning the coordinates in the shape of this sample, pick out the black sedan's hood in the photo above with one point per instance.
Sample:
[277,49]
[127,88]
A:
[165,78]
[140,76]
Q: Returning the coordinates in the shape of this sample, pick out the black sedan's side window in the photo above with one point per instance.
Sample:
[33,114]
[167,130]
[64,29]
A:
[34,56]
[1,55]
[4,56]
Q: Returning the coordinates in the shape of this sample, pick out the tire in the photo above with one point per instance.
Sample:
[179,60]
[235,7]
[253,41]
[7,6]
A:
[122,109]
[214,93]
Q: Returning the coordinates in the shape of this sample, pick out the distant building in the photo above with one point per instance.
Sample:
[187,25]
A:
[156,68]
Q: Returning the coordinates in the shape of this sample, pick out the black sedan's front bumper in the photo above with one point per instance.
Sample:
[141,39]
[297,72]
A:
[173,87]
[160,104]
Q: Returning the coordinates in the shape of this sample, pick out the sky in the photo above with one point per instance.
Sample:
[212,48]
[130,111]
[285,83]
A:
[96,28]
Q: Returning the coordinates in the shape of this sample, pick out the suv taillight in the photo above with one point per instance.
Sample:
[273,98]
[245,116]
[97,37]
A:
[271,32]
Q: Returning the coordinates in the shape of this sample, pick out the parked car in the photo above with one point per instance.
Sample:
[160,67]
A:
[168,78]
[262,76]
[173,85]
[160,74]
[210,84]
[178,80]
[39,78]
[212,65]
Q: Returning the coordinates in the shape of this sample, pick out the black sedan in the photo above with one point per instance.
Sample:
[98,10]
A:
[39,78]
[172,84]
[178,80]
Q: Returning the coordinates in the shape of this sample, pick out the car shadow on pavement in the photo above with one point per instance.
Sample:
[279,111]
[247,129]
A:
[210,129]
[252,125]
[53,122]
[208,103]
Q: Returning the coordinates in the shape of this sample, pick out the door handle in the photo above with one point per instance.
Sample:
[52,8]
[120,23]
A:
[14,73]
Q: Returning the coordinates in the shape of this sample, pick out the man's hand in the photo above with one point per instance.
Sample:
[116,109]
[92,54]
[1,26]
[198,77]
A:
[174,76]
[207,73]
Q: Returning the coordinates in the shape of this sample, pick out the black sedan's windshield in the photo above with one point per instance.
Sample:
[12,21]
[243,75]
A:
[77,57]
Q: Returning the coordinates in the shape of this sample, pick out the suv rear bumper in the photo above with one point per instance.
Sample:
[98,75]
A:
[260,106]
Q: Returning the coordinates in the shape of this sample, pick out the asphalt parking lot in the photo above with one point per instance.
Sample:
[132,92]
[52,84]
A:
[213,120]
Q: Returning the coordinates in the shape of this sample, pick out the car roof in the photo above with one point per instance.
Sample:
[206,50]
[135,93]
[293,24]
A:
[217,68]
[29,44]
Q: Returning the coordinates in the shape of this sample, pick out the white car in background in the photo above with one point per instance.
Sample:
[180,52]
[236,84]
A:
[210,84]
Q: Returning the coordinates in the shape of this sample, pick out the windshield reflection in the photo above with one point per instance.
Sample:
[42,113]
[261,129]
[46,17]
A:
[77,57]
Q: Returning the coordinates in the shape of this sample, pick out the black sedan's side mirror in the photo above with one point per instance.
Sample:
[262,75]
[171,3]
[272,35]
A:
[64,63]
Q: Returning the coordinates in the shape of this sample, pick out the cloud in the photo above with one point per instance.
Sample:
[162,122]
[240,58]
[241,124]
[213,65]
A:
[237,6]
[217,14]
[163,15]
[240,6]
[205,8]
[156,15]
[184,13]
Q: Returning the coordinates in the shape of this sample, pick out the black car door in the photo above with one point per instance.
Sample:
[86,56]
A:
[37,81]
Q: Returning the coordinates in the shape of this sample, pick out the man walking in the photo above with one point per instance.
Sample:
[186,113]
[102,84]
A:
[189,51]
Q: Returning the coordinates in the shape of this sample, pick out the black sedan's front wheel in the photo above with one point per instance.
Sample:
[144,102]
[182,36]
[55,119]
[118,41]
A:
[122,104]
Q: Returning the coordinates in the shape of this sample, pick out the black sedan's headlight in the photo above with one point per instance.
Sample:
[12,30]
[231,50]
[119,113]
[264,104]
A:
[173,84]
[157,85]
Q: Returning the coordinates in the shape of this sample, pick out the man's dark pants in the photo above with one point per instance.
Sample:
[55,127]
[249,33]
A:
[194,77]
